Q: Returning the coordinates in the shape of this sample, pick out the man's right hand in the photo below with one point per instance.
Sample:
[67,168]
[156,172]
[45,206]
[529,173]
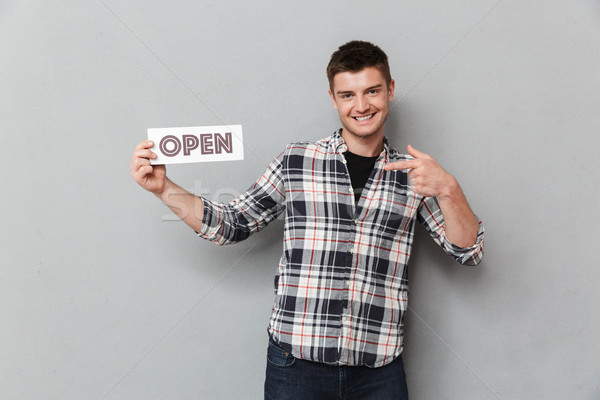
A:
[151,177]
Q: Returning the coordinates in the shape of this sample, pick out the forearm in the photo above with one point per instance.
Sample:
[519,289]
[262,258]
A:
[461,224]
[184,204]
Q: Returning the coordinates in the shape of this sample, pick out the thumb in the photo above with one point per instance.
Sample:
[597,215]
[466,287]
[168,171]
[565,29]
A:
[416,153]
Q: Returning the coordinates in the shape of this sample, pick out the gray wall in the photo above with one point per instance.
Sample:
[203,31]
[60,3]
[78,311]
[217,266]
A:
[102,296]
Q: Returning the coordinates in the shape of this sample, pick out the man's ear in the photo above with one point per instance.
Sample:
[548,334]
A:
[332,99]
[391,89]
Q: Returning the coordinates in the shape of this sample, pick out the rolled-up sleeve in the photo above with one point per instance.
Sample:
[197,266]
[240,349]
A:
[227,223]
[432,219]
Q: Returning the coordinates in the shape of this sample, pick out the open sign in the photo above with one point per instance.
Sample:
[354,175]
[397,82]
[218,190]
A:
[197,144]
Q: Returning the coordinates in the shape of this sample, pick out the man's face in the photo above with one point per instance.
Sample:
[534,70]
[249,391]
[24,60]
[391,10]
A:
[362,100]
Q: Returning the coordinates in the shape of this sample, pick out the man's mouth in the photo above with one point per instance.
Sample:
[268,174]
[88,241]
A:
[364,117]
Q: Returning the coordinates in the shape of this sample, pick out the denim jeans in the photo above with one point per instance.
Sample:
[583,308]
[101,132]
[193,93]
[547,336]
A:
[290,378]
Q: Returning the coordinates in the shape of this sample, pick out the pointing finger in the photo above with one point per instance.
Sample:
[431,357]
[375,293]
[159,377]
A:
[401,165]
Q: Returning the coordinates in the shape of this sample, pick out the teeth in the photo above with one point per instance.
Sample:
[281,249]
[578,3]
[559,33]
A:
[366,117]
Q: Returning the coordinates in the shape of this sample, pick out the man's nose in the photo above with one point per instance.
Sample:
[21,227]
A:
[362,105]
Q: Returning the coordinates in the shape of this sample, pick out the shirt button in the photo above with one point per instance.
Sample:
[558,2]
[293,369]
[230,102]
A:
[356,221]
[349,283]
[350,190]
[344,319]
[351,250]
[343,161]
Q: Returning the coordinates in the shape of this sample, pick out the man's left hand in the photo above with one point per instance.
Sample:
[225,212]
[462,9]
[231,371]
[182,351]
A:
[427,177]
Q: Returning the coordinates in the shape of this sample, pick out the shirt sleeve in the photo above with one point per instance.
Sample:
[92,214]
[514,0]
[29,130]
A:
[249,212]
[432,219]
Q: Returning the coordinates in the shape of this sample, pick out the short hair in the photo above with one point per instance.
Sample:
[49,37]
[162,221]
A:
[356,55]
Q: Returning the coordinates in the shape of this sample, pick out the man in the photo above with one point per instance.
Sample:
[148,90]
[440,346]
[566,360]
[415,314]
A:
[350,203]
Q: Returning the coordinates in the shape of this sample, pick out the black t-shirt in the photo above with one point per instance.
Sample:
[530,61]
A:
[359,168]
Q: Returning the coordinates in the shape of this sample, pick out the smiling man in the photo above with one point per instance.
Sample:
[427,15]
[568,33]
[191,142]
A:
[351,203]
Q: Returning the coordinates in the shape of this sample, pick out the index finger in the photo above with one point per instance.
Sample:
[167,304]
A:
[146,144]
[408,164]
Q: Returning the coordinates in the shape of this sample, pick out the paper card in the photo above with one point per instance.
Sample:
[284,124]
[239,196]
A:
[197,144]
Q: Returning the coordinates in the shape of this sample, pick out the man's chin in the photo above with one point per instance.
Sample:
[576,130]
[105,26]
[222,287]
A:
[361,133]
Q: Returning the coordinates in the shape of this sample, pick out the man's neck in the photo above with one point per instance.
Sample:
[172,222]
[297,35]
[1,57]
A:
[366,146]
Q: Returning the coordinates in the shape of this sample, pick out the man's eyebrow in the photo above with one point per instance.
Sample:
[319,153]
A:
[342,92]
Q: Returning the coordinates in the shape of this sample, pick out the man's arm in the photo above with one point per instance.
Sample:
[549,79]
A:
[429,179]
[153,178]
[461,224]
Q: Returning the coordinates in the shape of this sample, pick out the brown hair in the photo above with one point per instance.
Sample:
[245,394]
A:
[355,56]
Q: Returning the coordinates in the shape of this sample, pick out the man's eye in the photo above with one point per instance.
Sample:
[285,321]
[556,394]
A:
[346,96]
[373,91]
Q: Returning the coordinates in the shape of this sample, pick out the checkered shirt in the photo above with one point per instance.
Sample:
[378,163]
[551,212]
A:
[341,287]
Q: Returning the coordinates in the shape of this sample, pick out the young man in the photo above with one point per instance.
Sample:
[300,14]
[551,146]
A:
[350,203]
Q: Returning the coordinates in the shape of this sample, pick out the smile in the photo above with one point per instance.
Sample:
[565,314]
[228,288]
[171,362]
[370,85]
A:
[364,118]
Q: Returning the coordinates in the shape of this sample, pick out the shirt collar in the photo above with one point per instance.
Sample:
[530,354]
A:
[339,144]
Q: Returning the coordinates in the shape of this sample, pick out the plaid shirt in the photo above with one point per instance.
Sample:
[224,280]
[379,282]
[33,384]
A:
[341,287]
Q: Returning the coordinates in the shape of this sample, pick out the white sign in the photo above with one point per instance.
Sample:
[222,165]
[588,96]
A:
[197,144]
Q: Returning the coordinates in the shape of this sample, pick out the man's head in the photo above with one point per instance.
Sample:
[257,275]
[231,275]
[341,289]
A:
[361,89]
[355,56]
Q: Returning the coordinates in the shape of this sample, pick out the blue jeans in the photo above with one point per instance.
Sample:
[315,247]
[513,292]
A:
[290,378]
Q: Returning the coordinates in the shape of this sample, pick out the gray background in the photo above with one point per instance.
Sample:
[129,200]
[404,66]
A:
[103,296]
